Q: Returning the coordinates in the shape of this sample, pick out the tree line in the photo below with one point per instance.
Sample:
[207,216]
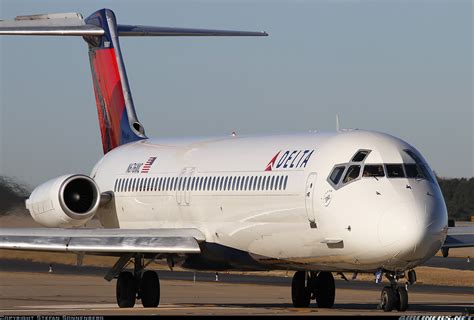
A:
[459,197]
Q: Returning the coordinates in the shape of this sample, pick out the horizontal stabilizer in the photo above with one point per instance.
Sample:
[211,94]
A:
[60,24]
[148,31]
[72,24]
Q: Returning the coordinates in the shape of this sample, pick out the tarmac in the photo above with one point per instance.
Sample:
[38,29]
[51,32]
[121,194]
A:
[28,289]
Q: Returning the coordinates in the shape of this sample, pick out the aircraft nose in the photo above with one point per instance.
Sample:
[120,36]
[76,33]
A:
[399,225]
[413,230]
[433,221]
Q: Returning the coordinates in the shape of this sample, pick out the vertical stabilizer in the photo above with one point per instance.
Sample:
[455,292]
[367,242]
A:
[117,118]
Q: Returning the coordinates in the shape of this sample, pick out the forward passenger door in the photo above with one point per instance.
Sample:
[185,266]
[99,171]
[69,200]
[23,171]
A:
[309,198]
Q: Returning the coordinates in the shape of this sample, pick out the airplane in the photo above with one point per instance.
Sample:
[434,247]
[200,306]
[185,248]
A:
[315,203]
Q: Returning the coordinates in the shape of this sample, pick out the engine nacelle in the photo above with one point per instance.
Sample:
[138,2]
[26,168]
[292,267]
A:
[67,201]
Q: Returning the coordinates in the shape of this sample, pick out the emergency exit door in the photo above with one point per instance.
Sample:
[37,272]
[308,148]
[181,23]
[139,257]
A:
[183,189]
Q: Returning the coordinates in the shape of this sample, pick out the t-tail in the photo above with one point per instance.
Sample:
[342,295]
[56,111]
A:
[118,120]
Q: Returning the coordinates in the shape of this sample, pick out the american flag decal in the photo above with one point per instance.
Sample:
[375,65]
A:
[148,164]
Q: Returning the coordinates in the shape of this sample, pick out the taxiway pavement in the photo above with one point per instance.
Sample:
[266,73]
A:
[65,292]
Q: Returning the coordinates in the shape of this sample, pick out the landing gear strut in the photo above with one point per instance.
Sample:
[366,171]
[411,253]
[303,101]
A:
[307,286]
[140,284]
[395,296]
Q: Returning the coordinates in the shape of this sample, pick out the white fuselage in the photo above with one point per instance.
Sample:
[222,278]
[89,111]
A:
[268,202]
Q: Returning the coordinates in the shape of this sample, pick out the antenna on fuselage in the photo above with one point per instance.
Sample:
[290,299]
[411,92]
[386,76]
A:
[338,128]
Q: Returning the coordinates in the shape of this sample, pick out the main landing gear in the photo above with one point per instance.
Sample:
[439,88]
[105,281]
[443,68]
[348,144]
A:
[307,286]
[396,296]
[141,284]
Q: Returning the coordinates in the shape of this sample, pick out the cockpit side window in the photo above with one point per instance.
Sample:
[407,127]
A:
[413,156]
[373,170]
[413,171]
[421,166]
[352,173]
[337,174]
[360,156]
[395,171]
[352,169]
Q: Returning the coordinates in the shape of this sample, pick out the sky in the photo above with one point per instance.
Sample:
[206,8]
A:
[400,67]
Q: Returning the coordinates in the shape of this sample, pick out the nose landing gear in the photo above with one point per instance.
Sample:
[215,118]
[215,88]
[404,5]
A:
[307,286]
[396,296]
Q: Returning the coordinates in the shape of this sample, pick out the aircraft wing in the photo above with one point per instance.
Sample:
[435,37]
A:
[459,237]
[102,241]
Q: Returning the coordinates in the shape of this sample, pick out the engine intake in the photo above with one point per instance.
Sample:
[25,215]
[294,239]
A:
[67,201]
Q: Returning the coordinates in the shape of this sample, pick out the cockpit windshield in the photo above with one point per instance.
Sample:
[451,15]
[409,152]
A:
[395,171]
[373,170]
[356,169]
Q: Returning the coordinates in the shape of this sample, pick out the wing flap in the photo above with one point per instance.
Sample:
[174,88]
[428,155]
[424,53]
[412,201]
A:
[142,245]
[184,240]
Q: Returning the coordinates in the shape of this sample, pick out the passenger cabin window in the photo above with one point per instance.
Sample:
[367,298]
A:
[216,183]
[337,174]
[395,171]
[373,170]
[221,182]
[360,156]
[352,173]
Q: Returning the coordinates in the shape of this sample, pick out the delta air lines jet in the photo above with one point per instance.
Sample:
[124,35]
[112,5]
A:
[316,203]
